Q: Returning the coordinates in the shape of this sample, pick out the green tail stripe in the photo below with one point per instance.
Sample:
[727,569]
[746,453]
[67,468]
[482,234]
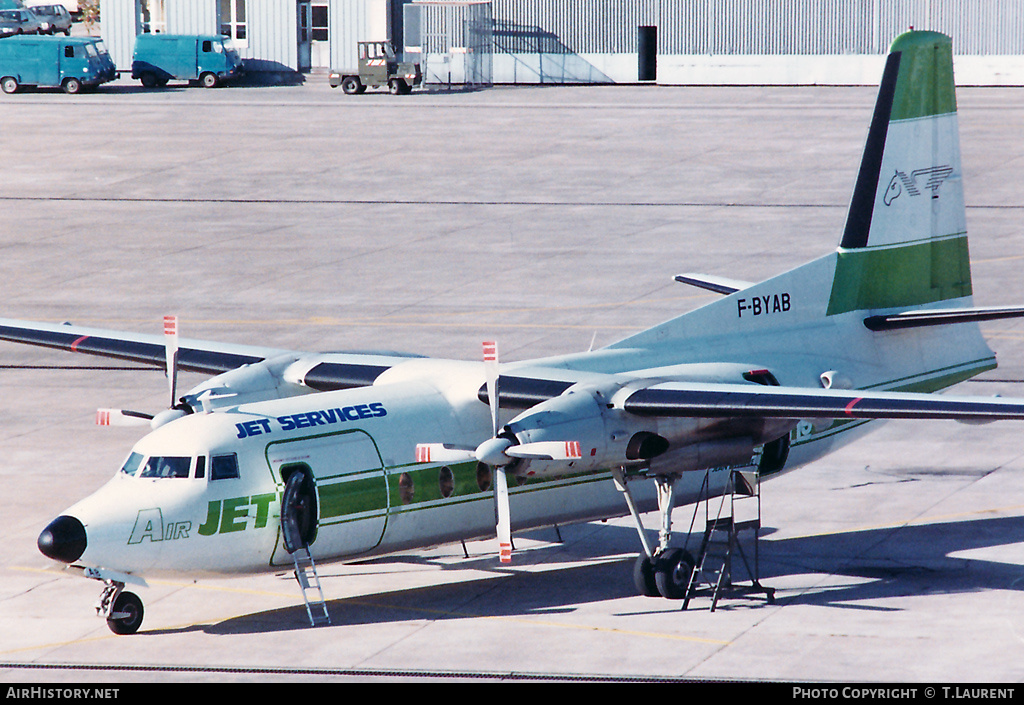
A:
[904,275]
[924,55]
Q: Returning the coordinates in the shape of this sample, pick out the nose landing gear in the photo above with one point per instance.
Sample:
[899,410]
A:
[122,610]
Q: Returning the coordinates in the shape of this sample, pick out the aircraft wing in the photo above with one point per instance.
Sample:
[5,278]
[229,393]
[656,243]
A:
[738,400]
[193,355]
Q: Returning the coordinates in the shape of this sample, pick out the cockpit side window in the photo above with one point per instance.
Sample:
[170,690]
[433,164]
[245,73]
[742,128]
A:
[223,467]
[200,467]
[131,465]
[166,466]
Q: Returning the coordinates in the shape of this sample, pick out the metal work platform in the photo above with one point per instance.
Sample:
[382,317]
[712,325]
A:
[738,510]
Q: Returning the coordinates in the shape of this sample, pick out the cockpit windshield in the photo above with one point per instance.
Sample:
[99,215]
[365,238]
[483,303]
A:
[131,466]
[166,466]
[173,466]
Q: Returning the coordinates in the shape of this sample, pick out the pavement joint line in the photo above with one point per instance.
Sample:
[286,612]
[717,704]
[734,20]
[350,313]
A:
[911,522]
[363,602]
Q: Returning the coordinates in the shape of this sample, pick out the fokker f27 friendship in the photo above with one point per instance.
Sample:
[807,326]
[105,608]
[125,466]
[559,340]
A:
[356,455]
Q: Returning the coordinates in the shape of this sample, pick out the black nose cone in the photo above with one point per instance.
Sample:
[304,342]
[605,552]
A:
[63,539]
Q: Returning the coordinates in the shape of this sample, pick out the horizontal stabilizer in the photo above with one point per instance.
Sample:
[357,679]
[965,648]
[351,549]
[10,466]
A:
[719,285]
[735,400]
[940,317]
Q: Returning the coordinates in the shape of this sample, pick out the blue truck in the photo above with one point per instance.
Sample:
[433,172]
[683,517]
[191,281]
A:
[73,63]
[160,58]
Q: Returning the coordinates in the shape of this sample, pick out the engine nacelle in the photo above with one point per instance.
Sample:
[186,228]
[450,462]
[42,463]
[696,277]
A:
[582,414]
[608,436]
[258,381]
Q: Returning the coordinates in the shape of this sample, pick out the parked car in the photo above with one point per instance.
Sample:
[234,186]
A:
[159,58]
[69,62]
[23,21]
[52,18]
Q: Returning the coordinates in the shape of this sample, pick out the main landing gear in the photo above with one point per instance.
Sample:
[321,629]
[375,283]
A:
[660,571]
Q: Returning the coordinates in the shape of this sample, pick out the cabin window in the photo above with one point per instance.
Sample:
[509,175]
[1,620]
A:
[406,490]
[131,466]
[200,467]
[69,52]
[166,466]
[446,482]
[223,467]
[483,476]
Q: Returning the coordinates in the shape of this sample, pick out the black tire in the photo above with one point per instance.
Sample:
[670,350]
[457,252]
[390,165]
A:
[672,572]
[71,86]
[396,86]
[643,577]
[351,85]
[148,80]
[209,80]
[130,605]
[9,84]
[298,512]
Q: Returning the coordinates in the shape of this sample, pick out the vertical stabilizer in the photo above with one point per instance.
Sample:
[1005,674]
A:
[905,242]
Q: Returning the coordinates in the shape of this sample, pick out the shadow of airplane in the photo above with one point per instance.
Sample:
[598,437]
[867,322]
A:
[884,563]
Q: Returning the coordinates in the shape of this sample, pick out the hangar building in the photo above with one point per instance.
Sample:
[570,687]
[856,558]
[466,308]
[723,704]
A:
[594,41]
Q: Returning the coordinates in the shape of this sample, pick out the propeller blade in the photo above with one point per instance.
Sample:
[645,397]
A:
[121,417]
[546,450]
[443,453]
[171,353]
[491,372]
[504,524]
[493,453]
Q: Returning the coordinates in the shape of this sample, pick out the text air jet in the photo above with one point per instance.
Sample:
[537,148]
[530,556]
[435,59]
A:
[284,453]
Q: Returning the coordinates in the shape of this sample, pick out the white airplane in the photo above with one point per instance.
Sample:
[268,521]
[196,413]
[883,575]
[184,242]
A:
[353,455]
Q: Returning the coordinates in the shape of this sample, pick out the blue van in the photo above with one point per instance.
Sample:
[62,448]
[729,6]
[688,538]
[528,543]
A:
[160,58]
[72,63]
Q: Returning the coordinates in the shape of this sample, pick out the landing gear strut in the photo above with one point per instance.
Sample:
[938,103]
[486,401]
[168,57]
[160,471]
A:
[122,610]
[663,570]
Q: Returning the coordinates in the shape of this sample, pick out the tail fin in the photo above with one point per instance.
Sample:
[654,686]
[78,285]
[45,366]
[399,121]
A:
[904,246]
[905,241]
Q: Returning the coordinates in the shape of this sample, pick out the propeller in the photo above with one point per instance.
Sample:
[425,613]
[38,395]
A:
[498,452]
[126,417]
[492,453]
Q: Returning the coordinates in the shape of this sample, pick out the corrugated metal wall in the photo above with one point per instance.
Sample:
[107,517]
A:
[118,29]
[353,21]
[607,29]
[767,27]
[575,26]
[192,16]
[273,34]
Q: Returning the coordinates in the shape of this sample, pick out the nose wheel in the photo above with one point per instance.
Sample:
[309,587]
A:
[122,610]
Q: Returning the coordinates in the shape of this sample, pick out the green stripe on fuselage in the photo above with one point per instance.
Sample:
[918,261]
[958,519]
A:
[901,275]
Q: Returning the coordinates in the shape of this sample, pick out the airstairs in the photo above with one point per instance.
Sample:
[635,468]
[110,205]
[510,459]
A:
[309,582]
[735,512]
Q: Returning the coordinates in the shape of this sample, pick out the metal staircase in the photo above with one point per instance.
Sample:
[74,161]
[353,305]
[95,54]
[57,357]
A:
[309,582]
[738,510]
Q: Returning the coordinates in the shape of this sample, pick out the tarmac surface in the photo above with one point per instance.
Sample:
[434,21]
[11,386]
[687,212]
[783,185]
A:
[553,218]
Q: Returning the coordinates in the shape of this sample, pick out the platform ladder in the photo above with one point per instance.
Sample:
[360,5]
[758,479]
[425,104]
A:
[737,510]
[309,582]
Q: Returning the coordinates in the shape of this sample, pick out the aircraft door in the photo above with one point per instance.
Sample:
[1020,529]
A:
[335,496]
